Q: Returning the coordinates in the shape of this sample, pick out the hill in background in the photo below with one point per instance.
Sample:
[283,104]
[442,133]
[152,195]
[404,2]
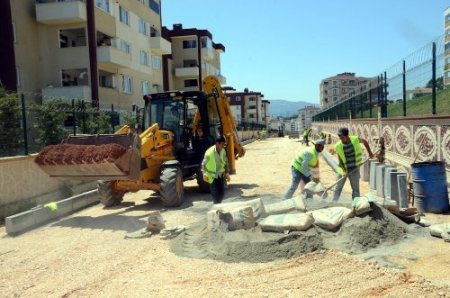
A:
[286,108]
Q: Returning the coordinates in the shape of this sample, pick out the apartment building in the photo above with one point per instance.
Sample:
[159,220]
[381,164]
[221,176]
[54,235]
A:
[194,56]
[108,52]
[250,106]
[447,46]
[305,117]
[332,88]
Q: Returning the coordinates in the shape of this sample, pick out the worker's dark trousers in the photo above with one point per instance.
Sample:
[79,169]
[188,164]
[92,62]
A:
[217,188]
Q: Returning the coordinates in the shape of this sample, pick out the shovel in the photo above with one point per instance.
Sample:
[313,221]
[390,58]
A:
[324,195]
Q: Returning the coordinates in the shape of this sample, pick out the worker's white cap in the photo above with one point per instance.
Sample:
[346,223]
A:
[320,142]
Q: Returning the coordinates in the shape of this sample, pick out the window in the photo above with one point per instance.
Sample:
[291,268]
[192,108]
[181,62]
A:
[143,57]
[145,87]
[190,63]
[123,15]
[143,27]
[74,77]
[190,83]
[189,44]
[206,42]
[125,47]
[153,6]
[126,84]
[103,5]
[106,79]
[69,38]
[156,62]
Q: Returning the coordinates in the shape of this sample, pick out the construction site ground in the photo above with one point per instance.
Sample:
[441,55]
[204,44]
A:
[88,253]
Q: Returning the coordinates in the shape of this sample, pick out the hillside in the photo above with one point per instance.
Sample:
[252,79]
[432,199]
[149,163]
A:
[286,108]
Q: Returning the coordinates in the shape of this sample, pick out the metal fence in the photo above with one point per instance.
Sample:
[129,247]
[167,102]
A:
[417,79]
[22,124]
[26,128]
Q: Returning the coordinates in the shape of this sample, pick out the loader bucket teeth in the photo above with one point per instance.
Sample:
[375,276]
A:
[100,157]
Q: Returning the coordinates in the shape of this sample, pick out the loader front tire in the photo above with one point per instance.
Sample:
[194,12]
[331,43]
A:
[108,195]
[172,189]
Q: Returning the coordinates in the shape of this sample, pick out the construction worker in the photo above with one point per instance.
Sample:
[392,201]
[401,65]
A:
[302,165]
[215,169]
[306,135]
[349,152]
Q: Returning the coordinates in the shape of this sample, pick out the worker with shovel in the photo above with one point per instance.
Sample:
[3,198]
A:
[302,165]
[350,153]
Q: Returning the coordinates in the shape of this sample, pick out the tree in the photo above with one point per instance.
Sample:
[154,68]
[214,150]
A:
[439,83]
[11,137]
[49,121]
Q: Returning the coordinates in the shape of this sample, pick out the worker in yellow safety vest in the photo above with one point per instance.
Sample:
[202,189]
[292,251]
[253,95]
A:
[350,154]
[215,169]
[302,165]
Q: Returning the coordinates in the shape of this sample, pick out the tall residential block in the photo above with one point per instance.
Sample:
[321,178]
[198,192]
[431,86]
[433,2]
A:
[333,88]
[447,46]
[194,56]
[108,52]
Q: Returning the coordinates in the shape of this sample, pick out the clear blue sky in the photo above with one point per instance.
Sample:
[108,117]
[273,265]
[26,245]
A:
[284,48]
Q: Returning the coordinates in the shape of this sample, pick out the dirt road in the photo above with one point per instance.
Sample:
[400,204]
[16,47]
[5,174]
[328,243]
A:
[87,254]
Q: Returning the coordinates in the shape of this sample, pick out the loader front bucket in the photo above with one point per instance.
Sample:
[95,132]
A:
[93,157]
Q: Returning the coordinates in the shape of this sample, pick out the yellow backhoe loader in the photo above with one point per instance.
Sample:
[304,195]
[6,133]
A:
[179,127]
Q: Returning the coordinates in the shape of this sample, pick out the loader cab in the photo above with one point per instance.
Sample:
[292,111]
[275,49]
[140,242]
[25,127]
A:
[177,112]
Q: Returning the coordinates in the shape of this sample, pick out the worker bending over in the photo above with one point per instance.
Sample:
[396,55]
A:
[302,165]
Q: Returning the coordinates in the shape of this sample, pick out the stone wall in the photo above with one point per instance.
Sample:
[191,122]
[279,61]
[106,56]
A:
[407,139]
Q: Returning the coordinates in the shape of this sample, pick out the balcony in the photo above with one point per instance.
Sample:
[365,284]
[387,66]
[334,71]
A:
[60,12]
[208,54]
[186,72]
[112,56]
[69,92]
[160,46]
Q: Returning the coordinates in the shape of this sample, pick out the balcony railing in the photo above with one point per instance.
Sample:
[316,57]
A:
[160,45]
[60,12]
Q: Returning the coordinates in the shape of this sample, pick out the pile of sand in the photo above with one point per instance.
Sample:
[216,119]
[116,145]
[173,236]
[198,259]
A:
[356,235]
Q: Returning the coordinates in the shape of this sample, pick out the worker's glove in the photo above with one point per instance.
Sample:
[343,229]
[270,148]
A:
[205,178]
[227,177]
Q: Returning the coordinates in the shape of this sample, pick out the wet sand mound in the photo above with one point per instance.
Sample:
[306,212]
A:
[356,235]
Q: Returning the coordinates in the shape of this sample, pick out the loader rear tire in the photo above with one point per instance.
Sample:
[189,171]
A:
[108,195]
[172,189]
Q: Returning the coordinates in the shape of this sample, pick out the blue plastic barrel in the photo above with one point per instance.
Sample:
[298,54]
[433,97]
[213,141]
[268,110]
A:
[430,186]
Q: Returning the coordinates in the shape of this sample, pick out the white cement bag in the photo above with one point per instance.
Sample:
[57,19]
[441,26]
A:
[236,219]
[285,206]
[361,205]
[314,187]
[283,222]
[441,230]
[256,204]
[331,218]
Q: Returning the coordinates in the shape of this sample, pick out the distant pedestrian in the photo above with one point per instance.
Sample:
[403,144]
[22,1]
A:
[215,169]
[350,153]
[302,165]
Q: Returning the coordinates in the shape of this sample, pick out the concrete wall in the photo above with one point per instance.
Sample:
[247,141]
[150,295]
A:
[23,186]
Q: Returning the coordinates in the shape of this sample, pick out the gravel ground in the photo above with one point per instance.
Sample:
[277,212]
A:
[87,254]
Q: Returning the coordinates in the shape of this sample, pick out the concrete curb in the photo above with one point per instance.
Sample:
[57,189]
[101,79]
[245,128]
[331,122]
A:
[33,218]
